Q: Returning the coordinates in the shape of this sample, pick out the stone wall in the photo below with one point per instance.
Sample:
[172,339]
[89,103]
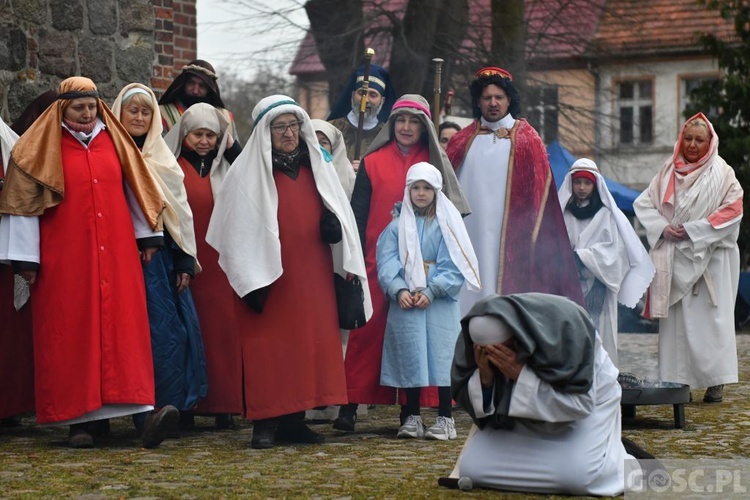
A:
[113,42]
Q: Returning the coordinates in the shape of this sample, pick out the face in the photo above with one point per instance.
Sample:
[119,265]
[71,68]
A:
[695,143]
[408,130]
[582,189]
[201,140]
[493,103]
[445,136]
[374,102]
[195,87]
[422,194]
[81,110]
[324,142]
[285,133]
[136,119]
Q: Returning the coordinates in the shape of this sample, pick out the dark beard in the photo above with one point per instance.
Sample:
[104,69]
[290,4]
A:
[189,100]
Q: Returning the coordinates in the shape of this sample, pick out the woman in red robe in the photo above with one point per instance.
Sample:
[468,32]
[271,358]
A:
[408,138]
[205,150]
[282,225]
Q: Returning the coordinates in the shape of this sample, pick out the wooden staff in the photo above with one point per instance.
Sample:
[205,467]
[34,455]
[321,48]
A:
[363,103]
[436,103]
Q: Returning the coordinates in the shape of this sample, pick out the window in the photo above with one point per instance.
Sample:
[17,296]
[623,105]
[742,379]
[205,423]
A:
[635,111]
[691,84]
[543,110]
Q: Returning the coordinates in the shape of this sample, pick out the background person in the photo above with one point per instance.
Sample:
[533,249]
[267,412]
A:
[332,140]
[692,211]
[446,131]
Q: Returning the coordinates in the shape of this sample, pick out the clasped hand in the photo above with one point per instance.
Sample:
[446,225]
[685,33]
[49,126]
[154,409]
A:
[675,233]
[500,356]
[408,301]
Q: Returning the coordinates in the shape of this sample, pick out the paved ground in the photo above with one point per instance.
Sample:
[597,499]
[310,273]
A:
[371,463]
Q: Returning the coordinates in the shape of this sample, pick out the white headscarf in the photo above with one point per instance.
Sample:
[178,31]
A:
[177,215]
[340,161]
[641,268]
[451,225]
[203,115]
[489,330]
[7,139]
[244,228]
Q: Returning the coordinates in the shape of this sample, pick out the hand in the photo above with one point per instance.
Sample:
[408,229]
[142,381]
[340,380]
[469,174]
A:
[230,140]
[29,276]
[505,359]
[421,301]
[675,233]
[405,300]
[486,373]
[183,282]
[355,165]
[148,253]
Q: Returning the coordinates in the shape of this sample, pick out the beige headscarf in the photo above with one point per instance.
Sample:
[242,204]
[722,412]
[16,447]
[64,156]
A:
[203,115]
[178,218]
[340,161]
[34,178]
[7,139]
[416,105]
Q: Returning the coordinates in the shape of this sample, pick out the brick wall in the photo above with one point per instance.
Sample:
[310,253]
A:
[175,40]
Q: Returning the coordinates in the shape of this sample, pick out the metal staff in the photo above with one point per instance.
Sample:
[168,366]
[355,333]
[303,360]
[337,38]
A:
[363,103]
[436,103]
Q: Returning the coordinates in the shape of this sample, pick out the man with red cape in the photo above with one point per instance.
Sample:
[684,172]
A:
[516,225]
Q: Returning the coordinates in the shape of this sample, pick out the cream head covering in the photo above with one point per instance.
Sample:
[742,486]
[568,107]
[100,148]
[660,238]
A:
[451,226]
[244,228]
[416,105]
[178,217]
[641,272]
[488,330]
[203,115]
[7,139]
[341,163]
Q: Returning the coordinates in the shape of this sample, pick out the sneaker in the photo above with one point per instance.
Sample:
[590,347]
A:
[714,394]
[443,430]
[412,428]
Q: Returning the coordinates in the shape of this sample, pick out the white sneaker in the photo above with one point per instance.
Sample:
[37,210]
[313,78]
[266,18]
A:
[443,430]
[412,428]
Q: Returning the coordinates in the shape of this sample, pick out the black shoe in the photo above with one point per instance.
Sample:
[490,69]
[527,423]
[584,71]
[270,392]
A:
[225,421]
[347,418]
[99,428]
[79,437]
[264,434]
[14,421]
[187,421]
[158,425]
[298,432]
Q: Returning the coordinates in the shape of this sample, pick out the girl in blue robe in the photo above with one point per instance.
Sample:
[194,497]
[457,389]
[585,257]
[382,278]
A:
[424,256]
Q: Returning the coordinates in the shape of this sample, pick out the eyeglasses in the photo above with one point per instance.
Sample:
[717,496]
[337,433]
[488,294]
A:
[281,128]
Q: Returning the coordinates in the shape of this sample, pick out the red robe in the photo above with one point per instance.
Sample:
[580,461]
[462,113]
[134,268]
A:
[16,353]
[386,169]
[92,345]
[536,255]
[215,303]
[293,348]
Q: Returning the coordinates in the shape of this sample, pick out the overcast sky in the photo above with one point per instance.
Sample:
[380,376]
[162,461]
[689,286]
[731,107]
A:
[247,35]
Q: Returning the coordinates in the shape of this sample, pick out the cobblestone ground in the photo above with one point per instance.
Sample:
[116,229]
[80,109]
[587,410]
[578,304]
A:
[372,463]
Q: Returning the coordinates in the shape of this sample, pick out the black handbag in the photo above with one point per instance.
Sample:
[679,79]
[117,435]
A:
[350,300]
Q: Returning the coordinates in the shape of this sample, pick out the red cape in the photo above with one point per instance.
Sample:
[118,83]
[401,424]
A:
[535,251]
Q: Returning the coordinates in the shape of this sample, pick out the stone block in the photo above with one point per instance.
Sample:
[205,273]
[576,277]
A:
[66,14]
[134,63]
[102,16]
[22,92]
[136,15]
[96,56]
[13,48]
[57,53]
[34,11]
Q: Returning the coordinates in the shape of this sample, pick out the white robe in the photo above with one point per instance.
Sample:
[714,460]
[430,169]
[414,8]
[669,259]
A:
[598,244]
[561,443]
[697,339]
[484,178]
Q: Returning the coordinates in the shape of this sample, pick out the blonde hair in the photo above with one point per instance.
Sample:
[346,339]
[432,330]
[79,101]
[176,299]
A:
[140,99]
[699,122]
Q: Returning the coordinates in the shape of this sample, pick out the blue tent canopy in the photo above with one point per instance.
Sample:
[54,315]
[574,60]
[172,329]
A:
[560,159]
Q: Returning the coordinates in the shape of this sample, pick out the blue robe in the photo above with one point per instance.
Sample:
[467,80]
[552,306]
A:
[419,343]
[179,360]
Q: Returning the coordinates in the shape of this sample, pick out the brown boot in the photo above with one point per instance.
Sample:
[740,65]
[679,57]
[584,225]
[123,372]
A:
[714,394]
[79,437]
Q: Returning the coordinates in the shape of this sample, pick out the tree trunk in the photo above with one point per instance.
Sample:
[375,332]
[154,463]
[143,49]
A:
[337,28]
[509,39]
